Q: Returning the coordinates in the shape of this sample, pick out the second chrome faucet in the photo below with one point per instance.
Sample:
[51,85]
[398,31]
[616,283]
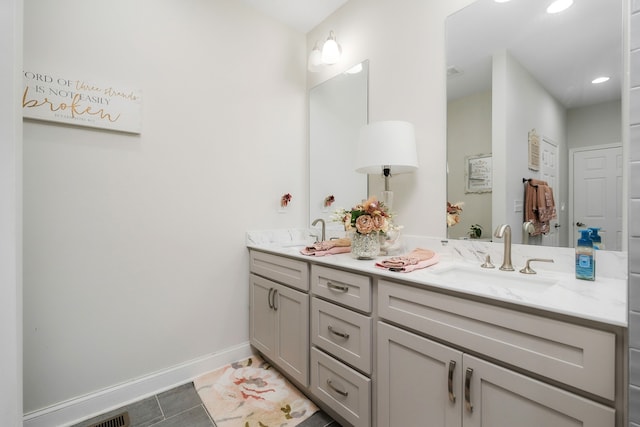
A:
[504,231]
[321,221]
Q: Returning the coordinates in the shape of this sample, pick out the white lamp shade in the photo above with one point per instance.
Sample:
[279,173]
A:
[331,50]
[389,144]
[315,60]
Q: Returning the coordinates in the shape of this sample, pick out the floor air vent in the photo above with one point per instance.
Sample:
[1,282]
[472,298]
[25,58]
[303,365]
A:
[120,420]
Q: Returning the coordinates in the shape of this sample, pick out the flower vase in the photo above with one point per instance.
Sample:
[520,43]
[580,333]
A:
[365,246]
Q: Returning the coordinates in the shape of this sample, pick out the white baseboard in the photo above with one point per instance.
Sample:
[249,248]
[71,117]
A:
[84,407]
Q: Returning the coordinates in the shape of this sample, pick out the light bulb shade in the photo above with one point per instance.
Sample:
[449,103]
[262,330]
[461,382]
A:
[331,50]
[315,60]
[388,144]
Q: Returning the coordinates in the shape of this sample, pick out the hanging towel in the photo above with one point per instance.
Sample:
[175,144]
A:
[414,260]
[546,204]
[539,206]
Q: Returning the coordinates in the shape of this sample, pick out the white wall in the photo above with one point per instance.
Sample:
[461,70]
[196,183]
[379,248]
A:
[404,42]
[512,120]
[134,244]
[10,214]
[594,125]
[468,134]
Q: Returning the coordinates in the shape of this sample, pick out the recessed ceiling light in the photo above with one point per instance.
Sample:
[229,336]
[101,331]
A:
[559,6]
[600,80]
[501,1]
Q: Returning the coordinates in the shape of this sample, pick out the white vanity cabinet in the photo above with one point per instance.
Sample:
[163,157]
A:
[375,349]
[453,385]
[279,312]
[341,334]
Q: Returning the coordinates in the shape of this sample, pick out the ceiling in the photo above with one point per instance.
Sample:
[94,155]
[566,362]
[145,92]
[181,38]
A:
[302,15]
[564,52]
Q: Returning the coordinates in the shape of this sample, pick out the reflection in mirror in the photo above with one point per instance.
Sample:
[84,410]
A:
[519,90]
[338,108]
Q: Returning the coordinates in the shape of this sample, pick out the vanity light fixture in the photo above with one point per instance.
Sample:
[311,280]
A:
[559,5]
[315,59]
[331,50]
[599,80]
[328,55]
[386,146]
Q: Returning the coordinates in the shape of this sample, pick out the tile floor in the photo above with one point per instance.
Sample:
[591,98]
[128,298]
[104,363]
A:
[182,407]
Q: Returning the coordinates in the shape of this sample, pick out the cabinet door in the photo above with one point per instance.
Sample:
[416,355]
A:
[419,381]
[262,317]
[292,332]
[503,398]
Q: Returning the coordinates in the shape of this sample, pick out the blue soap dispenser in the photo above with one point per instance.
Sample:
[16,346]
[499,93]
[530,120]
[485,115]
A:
[585,259]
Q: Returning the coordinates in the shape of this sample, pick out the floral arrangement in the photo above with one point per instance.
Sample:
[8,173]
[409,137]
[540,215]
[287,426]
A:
[285,199]
[453,213]
[329,200]
[366,217]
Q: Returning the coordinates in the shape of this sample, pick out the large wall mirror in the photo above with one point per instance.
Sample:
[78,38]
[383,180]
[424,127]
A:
[338,108]
[522,105]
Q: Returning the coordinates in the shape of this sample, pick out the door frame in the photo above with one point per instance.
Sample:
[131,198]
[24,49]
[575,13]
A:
[572,153]
[557,194]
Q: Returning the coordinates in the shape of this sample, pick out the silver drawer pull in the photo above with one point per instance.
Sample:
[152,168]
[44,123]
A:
[467,390]
[340,334]
[335,287]
[452,367]
[337,390]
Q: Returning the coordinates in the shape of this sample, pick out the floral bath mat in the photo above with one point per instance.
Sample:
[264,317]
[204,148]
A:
[251,393]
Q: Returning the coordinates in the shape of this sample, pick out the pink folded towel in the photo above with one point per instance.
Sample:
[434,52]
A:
[414,260]
[328,247]
[332,251]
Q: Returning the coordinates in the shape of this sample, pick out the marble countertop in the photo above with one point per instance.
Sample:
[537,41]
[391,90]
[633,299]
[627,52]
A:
[554,288]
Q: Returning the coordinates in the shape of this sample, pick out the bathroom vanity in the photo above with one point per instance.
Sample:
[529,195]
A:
[451,345]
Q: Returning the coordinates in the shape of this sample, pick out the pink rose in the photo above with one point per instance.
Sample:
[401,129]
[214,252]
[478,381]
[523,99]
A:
[364,224]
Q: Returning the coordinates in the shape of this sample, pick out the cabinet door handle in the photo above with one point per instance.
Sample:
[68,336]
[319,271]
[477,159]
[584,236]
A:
[275,294]
[452,367]
[338,333]
[467,390]
[269,298]
[335,287]
[337,390]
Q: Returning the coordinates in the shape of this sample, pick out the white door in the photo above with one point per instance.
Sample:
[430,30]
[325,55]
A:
[497,397]
[597,193]
[549,173]
[419,381]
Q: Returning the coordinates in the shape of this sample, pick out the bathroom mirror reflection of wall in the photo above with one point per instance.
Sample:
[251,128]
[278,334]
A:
[512,68]
[338,108]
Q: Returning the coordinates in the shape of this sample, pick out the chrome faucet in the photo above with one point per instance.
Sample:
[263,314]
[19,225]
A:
[505,230]
[320,220]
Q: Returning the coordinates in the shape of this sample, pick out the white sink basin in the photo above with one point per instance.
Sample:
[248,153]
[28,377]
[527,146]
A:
[512,280]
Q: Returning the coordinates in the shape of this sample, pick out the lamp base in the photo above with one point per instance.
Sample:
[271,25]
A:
[386,197]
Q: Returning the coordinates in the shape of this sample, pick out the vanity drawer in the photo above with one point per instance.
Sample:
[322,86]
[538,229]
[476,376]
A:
[343,333]
[346,391]
[287,271]
[576,355]
[348,289]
